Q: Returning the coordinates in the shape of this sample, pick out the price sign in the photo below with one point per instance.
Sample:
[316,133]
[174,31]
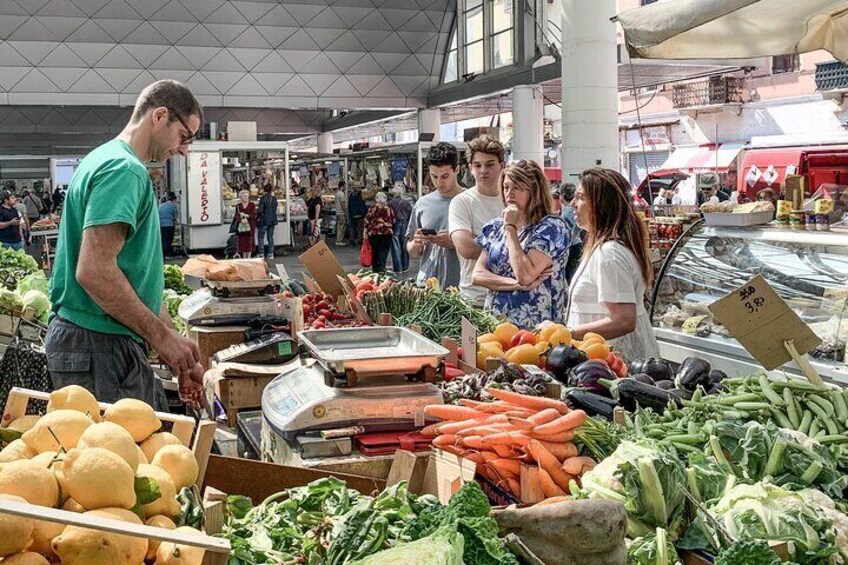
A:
[761,321]
[469,343]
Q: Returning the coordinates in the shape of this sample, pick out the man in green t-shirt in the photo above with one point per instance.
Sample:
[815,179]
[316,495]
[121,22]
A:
[107,281]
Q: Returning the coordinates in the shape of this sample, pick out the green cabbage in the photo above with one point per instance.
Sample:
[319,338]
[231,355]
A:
[10,301]
[768,512]
[39,302]
[652,549]
[34,281]
[442,547]
[648,479]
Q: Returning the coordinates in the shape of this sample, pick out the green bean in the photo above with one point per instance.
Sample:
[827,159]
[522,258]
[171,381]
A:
[744,397]
[839,405]
[688,439]
[838,438]
[791,410]
[816,409]
[831,426]
[806,421]
[823,403]
[769,392]
[752,406]
[781,418]
[815,427]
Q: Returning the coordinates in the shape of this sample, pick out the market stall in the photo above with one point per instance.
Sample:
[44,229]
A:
[209,178]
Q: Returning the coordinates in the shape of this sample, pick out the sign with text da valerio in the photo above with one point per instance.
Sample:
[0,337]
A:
[761,321]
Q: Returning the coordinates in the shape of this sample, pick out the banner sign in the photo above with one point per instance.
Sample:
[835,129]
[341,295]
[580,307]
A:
[204,188]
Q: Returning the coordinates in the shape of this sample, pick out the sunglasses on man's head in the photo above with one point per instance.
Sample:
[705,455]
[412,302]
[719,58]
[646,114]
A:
[188,137]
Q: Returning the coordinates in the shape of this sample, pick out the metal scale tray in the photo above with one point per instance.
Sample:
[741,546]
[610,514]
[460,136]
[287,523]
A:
[259,286]
[349,353]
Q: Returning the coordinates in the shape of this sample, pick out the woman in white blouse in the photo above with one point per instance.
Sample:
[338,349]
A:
[607,294]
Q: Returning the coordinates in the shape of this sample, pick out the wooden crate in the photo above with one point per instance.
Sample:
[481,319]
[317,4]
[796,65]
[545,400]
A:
[211,340]
[196,436]
[235,393]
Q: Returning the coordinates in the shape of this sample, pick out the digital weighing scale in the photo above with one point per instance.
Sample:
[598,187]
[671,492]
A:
[203,308]
[298,401]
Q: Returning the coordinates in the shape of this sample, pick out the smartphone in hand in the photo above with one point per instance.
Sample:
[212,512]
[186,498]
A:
[428,232]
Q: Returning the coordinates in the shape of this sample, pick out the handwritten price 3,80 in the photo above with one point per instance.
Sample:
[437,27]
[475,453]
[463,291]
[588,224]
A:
[754,305]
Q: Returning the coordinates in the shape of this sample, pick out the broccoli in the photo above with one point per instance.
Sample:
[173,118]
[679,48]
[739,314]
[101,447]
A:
[748,552]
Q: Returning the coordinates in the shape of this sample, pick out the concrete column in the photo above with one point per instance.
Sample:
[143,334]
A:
[325,143]
[430,121]
[589,87]
[528,123]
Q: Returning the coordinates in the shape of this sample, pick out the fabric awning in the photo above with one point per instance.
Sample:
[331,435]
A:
[701,158]
[735,29]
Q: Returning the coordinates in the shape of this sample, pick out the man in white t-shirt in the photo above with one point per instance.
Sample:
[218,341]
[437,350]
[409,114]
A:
[474,208]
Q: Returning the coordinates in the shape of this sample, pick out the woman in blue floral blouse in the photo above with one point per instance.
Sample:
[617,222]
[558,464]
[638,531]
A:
[524,252]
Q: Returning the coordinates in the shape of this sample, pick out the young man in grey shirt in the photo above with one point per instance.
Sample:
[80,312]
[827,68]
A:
[427,234]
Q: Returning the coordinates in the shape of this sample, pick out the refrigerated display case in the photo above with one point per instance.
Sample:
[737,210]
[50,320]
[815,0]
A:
[808,269]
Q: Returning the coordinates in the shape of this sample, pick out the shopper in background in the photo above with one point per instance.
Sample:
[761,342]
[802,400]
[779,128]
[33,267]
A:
[608,291]
[107,282]
[34,205]
[402,209]
[58,199]
[24,215]
[378,229]
[341,213]
[266,222]
[676,199]
[46,201]
[356,209]
[314,207]
[427,235]
[575,249]
[660,198]
[169,217]
[525,251]
[11,223]
[245,221]
[474,208]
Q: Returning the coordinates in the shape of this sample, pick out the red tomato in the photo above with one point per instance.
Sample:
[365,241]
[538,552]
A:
[307,309]
[287,293]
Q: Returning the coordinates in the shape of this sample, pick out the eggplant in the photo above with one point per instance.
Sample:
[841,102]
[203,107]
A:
[563,358]
[645,378]
[591,403]
[587,374]
[693,372]
[631,394]
[665,385]
[682,393]
[657,369]
[716,376]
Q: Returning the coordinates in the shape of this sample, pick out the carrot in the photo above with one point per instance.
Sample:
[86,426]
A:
[561,451]
[450,412]
[510,466]
[458,426]
[506,451]
[432,430]
[521,424]
[549,463]
[454,449]
[497,419]
[526,458]
[514,487]
[543,417]
[578,465]
[445,439]
[490,430]
[553,438]
[474,442]
[553,500]
[489,455]
[516,439]
[535,403]
[523,414]
[549,487]
[564,423]
[476,457]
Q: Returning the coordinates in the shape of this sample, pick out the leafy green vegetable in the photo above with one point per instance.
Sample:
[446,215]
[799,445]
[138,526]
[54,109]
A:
[172,302]
[39,303]
[442,547]
[10,301]
[15,264]
[767,512]
[34,281]
[648,479]
[599,437]
[652,549]
[467,511]
[749,552]
[175,280]
[706,480]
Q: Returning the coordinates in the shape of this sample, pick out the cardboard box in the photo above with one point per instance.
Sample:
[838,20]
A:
[211,340]
[259,480]
[235,393]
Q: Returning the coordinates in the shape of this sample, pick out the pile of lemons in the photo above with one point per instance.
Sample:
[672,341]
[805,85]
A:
[76,459]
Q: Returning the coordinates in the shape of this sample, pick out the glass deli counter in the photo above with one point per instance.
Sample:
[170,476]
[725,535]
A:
[808,269]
